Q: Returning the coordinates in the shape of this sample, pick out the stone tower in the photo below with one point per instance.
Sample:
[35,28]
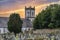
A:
[30,13]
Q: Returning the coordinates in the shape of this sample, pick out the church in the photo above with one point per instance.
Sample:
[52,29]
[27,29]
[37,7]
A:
[27,21]
[29,17]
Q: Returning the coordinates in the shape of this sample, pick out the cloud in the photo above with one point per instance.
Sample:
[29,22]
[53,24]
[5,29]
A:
[9,6]
[2,0]
[12,4]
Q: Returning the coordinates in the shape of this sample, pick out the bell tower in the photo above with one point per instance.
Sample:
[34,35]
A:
[30,13]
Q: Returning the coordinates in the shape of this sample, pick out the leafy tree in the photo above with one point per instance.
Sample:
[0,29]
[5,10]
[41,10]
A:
[15,23]
[48,18]
[36,23]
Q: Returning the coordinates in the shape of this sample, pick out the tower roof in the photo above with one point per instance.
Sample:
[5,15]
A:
[31,8]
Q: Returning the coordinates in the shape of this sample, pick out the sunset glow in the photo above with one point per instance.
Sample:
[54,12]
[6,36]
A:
[17,6]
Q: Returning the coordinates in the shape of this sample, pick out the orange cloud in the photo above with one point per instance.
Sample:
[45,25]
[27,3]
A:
[22,11]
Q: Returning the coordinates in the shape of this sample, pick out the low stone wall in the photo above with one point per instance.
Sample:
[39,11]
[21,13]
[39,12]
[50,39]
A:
[47,31]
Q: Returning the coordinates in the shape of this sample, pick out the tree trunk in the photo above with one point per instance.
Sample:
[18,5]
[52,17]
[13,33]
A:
[15,34]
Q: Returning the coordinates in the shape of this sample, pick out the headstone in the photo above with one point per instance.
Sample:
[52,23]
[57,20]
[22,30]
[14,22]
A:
[13,37]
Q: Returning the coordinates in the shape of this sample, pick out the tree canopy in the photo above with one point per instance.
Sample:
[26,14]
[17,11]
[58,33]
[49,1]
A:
[15,23]
[48,18]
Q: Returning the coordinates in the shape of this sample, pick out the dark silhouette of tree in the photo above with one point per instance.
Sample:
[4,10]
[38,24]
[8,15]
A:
[48,18]
[15,23]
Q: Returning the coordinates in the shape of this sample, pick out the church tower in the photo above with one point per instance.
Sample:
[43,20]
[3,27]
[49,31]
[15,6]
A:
[30,13]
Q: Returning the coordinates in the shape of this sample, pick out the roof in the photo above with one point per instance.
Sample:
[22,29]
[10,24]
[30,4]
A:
[29,8]
[4,20]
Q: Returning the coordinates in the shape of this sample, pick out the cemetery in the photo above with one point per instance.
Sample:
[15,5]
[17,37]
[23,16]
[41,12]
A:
[35,35]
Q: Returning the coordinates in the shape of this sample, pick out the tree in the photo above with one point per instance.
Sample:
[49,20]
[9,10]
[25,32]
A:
[15,23]
[36,23]
[48,18]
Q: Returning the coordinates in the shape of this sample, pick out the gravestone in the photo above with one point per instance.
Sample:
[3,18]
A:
[1,37]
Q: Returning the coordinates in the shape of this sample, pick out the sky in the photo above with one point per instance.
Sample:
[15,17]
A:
[8,7]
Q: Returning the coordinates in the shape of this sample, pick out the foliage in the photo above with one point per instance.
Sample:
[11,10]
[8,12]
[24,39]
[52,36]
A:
[48,18]
[14,23]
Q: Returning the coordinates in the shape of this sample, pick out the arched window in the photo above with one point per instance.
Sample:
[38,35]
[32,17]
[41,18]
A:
[28,14]
[32,13]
